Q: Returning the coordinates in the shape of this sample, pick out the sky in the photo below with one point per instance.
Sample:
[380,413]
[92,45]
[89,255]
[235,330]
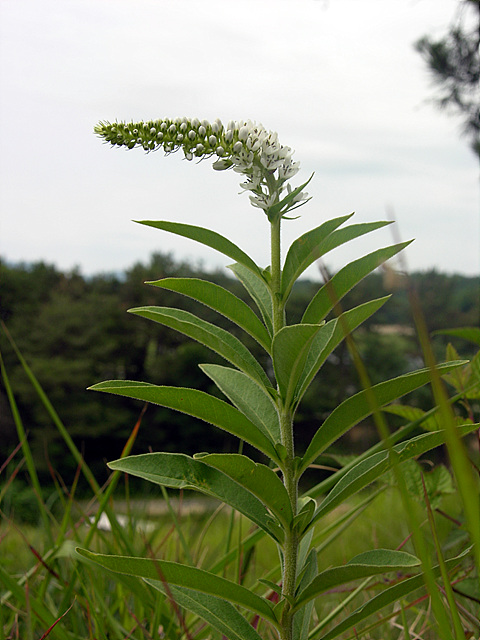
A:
[339,80]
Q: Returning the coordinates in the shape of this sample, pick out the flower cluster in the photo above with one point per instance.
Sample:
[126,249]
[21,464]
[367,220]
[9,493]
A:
[245,146]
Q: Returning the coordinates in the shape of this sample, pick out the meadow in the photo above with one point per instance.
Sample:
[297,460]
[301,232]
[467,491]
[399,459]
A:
[309,541]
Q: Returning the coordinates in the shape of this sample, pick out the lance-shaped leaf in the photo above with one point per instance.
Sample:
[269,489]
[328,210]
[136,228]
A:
[373,467]
[213,337]
[290,349]
[207,237]
[317,249]
[340,328]
[361,405]
[275,209]
[194,403]
[305,250]
[184,576]
[258,290]
[179,471]
[344,280]
[316,355]
[384,598]
[252,399]
[218,613]
[467,333]
[430,423]
[257,478]
[398,436]
[222,301]
[366,564]
[301,621]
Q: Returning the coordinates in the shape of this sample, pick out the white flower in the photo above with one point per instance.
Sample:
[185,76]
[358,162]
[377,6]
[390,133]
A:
[245,146]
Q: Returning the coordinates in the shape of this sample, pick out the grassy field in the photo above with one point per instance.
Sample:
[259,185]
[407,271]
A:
[48,581]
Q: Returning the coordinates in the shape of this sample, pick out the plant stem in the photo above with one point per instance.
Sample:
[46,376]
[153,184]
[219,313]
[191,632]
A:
[276,273]
[290,545]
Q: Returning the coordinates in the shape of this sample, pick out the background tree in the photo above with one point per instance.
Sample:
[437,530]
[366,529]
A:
[454,62]
[72,331]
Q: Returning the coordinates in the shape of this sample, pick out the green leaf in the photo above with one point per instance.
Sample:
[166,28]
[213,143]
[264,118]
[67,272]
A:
[273,586]
[315,244]
[248,396]
[213,337]
[280,206]
[301,620]
[222,301]
[290,349]
[340,327]
[411,414]
[384,598]
[359,406]
[179,471]
[207,237]
[257,478]
[437,483]
[194,403]
[173,573]
[305,514]
[258,290]
[312,362]
[218,613]
[344,280]
[465,380]
[305,250]
[373,467]
[467,333]
[367,564]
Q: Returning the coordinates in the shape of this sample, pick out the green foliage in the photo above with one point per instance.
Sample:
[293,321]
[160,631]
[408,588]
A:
[262,415]
[265,387]
[50,315]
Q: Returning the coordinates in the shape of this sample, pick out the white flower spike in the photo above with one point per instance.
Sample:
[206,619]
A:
[245,146]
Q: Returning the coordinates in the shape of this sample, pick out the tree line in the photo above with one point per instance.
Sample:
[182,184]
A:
[75,331]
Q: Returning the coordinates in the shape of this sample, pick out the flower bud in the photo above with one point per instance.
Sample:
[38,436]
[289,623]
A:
[221,165]
[192,135]
[237,147]
[212,141]
[172,128]
[243,133]
[220,151]
[202,131]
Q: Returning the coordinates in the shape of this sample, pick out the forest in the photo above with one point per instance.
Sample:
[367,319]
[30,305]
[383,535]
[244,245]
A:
[75,331]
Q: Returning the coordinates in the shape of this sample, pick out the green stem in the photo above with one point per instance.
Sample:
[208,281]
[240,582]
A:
[290,545]
[276,273]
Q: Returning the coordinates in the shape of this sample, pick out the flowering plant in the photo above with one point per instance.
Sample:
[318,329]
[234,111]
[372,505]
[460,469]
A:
[262,405]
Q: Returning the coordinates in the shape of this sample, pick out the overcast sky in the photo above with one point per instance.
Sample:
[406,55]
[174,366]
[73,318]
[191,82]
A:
[339,80]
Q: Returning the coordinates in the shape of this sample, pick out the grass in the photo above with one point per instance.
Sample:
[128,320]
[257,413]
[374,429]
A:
[47,592]
[98,605]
